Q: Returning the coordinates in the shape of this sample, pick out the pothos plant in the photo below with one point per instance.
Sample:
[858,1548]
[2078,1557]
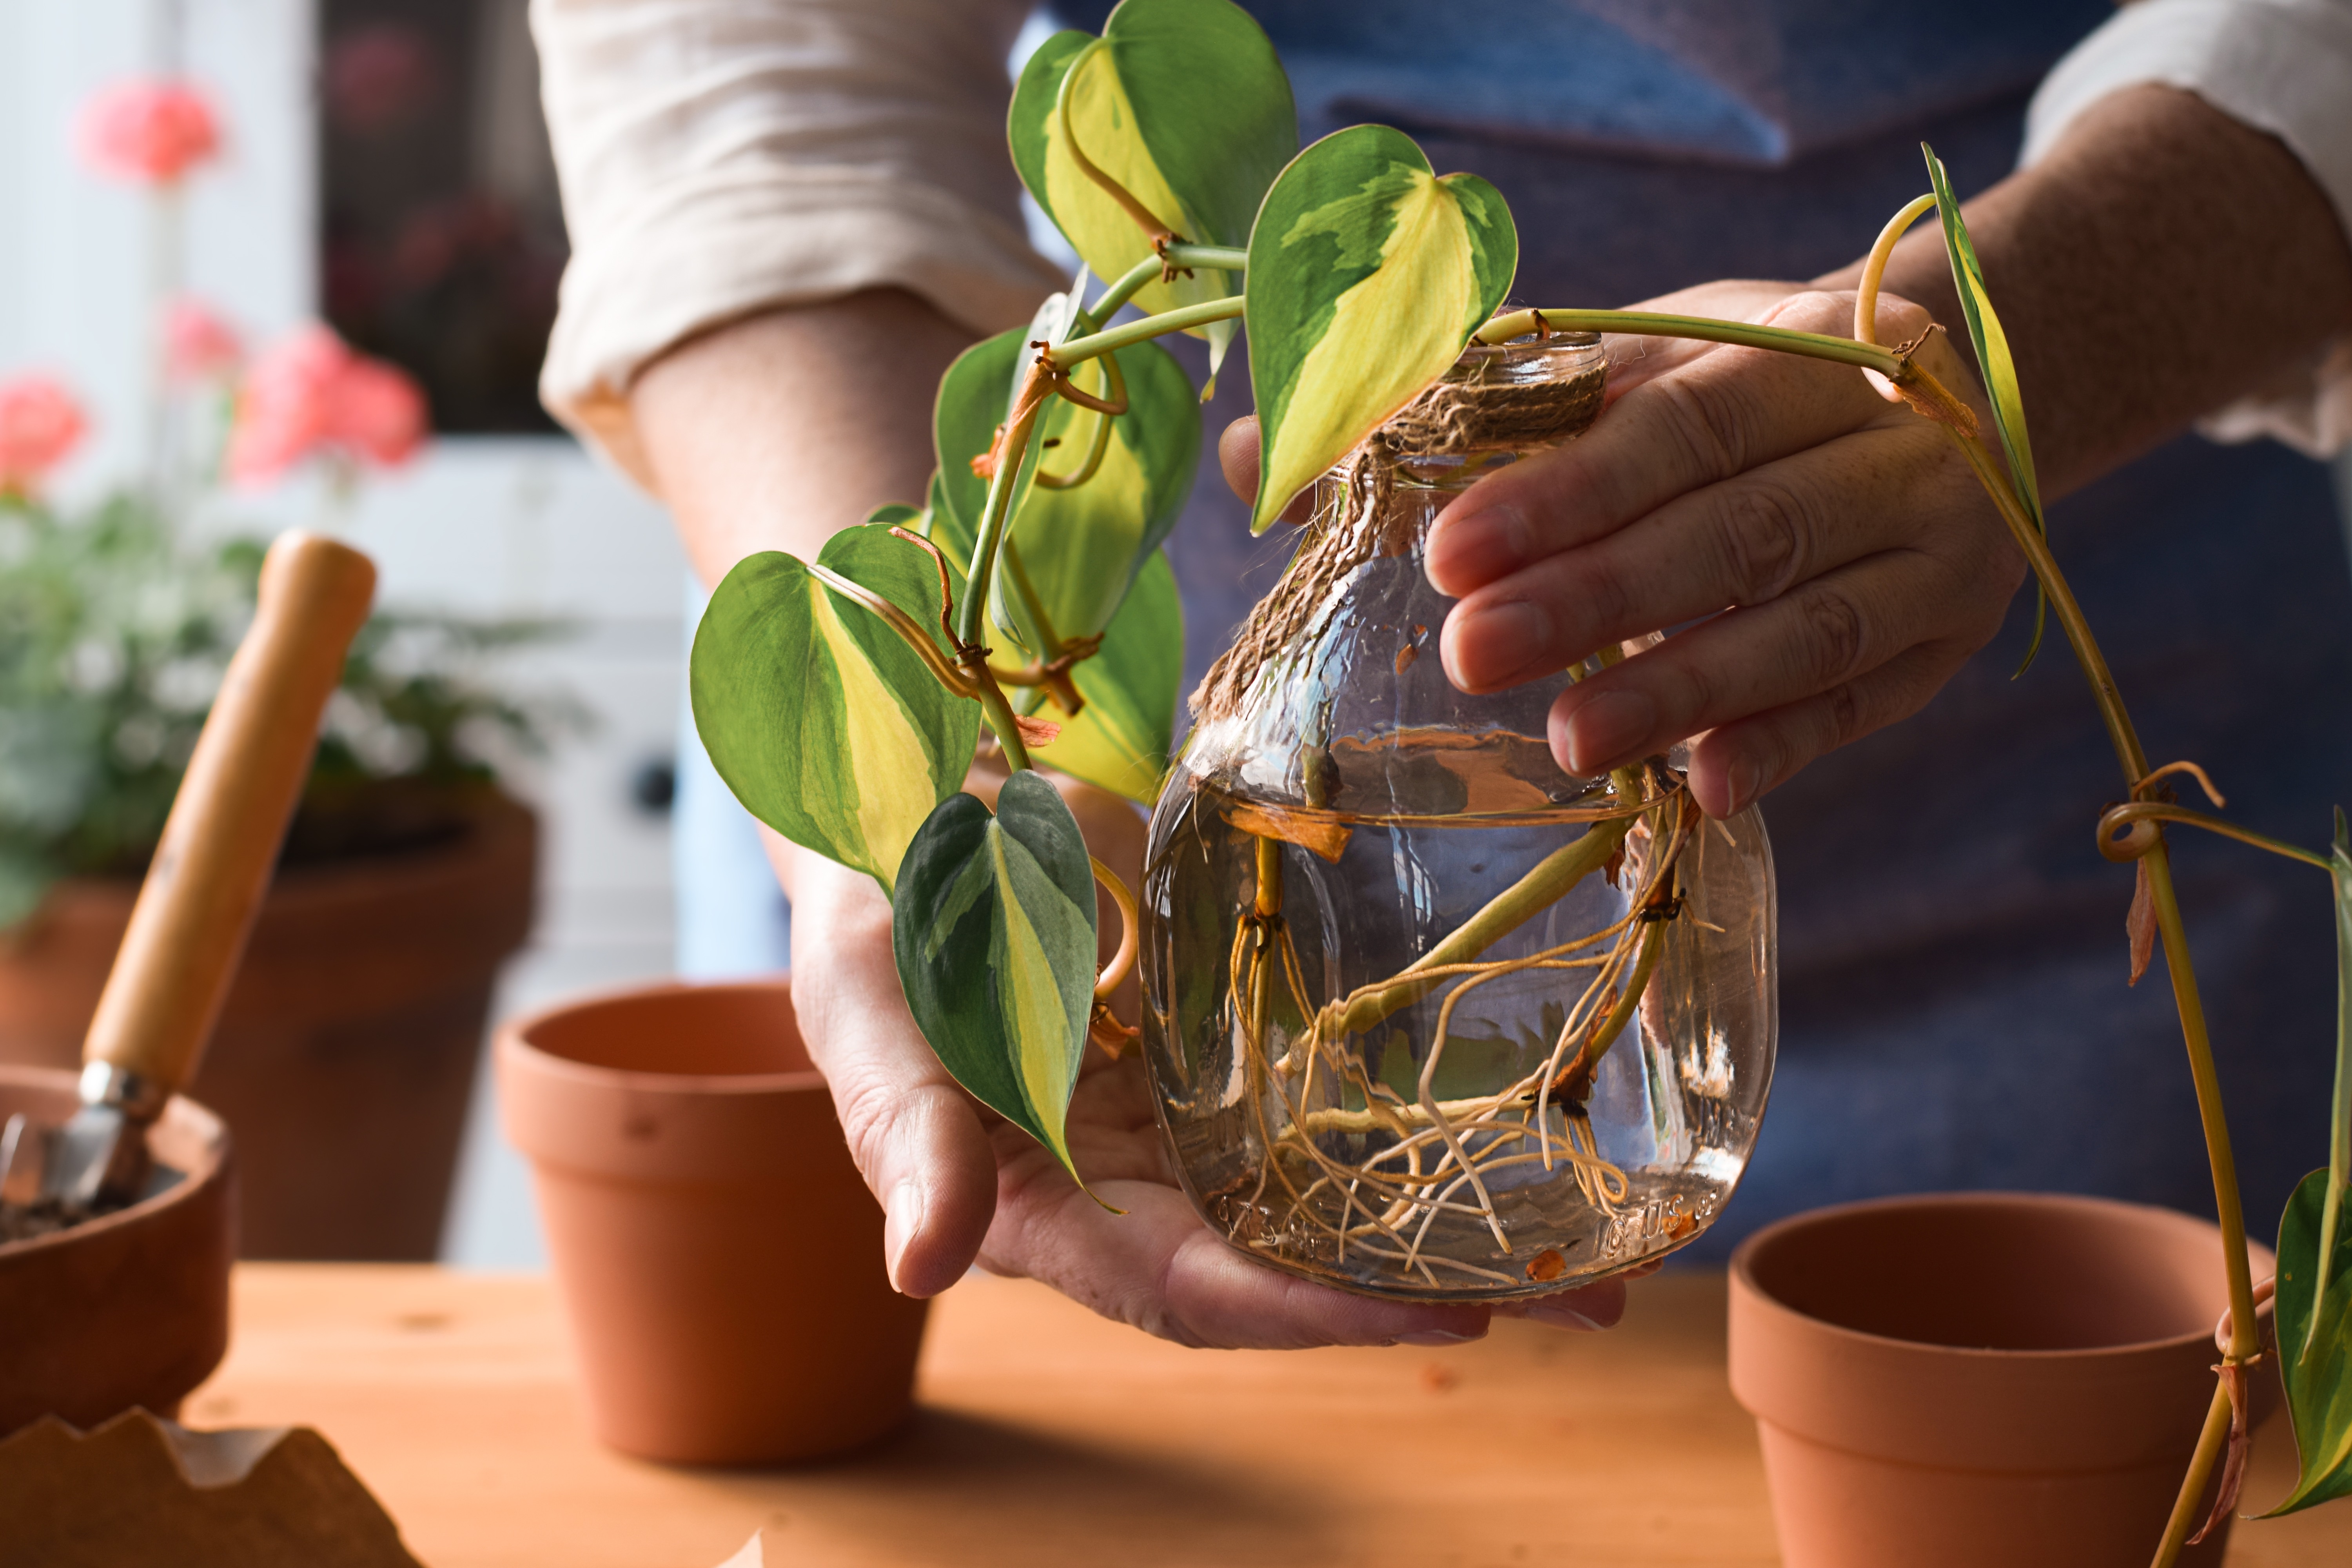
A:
[842,698]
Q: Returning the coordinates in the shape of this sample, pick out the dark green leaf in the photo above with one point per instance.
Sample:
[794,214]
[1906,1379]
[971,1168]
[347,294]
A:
[828,727]
[2314,1311]
[992,925]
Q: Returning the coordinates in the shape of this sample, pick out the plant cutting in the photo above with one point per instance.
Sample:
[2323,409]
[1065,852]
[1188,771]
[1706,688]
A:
[1546,1067]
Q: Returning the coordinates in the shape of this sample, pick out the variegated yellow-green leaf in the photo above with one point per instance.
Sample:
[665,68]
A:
[2000,368]
[1183,103]
[992,924]
[826,726]
[1367,275]
[2314,1311]
[1119,740]
[1073,553]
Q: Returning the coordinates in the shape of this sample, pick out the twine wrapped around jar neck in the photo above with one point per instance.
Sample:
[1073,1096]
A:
[1474,409]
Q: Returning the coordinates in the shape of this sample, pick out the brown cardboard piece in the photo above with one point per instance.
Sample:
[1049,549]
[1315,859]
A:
[142,1492]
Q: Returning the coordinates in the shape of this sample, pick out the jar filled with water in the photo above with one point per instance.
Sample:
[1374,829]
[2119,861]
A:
[1425,1014]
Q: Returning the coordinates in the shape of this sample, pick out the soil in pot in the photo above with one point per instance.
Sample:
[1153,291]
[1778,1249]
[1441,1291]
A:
[128,1309]
[1980,1378]
[345,1053]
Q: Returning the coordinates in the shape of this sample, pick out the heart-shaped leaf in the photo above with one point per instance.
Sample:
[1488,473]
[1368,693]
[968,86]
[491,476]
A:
[1078,549]
[828,727]
[1185,105]
[1998,365]
[992,924]
[964,418]
[1367,273]
[2314,1336]
[1119,739]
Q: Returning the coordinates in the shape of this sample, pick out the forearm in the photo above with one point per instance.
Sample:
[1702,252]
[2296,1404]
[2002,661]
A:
[2162,260]
[776,432]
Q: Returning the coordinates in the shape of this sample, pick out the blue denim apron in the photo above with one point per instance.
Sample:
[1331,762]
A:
[1953,1006]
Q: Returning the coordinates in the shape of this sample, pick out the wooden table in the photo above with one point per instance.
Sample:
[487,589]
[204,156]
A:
[1048,1437]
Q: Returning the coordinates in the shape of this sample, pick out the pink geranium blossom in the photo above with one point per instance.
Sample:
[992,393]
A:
[309,394]
[40,424]
[149,130]
[198,345]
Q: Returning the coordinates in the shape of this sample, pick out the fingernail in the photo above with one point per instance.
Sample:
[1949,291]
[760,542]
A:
[903,1217]
[1744,777]
[1560,1317]
[1480,546]
[1498,640]
[1435,1337]
[1608,727]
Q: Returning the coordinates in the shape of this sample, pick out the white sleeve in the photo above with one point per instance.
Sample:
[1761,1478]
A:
[720,157]
[2283,67]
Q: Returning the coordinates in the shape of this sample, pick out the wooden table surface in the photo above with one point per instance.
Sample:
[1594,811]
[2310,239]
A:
[1048,1437]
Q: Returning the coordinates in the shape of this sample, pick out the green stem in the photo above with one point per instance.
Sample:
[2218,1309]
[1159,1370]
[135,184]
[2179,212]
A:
[2210,1443]
[998,714]
[1649,324]
[1124,290]
[996,516]
[1217,258]
[1077,351]
[2165,811]
[1544,885]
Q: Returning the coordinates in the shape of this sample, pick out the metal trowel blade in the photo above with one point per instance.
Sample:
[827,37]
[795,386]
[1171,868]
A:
[97,1159]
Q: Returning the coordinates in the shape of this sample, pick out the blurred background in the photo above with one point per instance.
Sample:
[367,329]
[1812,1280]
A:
[381,165]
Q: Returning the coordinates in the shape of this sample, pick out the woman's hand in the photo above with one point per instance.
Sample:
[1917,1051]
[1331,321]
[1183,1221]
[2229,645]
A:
[961,1184]
[1837,556]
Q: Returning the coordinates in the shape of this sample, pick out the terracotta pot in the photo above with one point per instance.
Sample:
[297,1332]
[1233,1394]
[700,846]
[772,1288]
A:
[129,1310]
[1980,1378]
[345,1053]
[719,1256]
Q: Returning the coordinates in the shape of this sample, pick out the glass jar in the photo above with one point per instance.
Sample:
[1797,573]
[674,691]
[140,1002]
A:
[1425,1014]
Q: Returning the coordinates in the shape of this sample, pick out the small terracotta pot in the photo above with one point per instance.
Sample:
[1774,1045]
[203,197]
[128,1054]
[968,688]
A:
[129,1310]
[719,1256]
[346,1049]
[1980,1378]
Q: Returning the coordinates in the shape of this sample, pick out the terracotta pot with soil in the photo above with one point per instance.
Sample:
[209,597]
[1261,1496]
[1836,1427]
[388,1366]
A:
[718,1256]
[130,1308]
[344,1057]
[1978,1378]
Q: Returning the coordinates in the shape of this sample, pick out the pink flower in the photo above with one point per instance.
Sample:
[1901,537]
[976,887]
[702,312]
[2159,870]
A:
[197,344]
[309,392]
[378,411]
[149,130]
[40,423]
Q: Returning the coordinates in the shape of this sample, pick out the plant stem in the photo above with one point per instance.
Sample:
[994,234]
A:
[2178,1529]
[997,514]
[1649,324]
[1217,258]
[1077,351]
[1000,717]
[1125,288]
[1543,887]
[1874,271]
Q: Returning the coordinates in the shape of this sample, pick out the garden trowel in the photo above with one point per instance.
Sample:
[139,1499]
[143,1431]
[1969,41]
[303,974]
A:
[211,868]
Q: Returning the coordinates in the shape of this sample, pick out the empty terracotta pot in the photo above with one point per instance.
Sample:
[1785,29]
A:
[128,1309]
[719,1256]
[1978,1378]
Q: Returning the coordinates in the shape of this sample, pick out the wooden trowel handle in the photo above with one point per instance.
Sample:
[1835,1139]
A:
[188,929]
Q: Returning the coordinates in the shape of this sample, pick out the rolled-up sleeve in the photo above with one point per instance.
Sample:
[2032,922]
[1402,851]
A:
[2283,67]
[722,157]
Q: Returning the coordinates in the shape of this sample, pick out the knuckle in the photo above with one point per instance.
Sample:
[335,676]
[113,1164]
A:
[1836,635]
[1763,526]
[867,1107]
[1846,721]
[1708,418]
